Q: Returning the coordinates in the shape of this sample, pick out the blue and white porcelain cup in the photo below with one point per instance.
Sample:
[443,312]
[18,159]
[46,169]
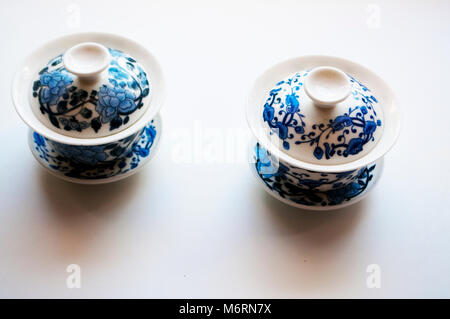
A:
[92,99]
[95,155]
[320,123]
[304,179]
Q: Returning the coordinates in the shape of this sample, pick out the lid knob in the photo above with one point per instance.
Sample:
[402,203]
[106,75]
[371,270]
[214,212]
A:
[327,86]
[87,60]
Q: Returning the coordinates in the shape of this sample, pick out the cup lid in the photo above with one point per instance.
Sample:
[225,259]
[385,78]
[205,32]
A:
[90,90]
[323,116]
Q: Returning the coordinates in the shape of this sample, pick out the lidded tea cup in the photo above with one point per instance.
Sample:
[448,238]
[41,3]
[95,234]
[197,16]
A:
[321,125]
[90,99]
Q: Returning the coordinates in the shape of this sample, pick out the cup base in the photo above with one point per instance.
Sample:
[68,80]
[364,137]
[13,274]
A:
[59,166]
[284,190]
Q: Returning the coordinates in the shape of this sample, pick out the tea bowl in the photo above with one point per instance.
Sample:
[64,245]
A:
[322,126]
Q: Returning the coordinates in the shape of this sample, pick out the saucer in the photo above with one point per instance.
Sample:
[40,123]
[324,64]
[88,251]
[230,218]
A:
[60,166]
[277,184]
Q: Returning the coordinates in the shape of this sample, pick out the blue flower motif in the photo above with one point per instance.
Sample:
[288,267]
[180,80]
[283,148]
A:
[264,163]
[55,83]
[354,146]
[90,155]
[363,110]
[150,132]
[292,103]
[340,122]
[370,127]
[268,113]
[114,100]
[38,139]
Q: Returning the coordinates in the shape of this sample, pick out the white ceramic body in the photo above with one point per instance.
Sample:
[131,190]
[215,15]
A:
[309,175]
[311,180]
[84,154]
[23,81]
[93,155]
[312,190]
[98,164]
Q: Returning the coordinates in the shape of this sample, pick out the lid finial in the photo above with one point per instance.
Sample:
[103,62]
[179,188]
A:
[327,86]
[87,60]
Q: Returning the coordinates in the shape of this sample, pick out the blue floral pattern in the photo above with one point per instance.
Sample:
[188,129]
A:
[96,162]
[113,101]
[289,123]
[89,155]
[54,86]
[68,107]
[283,181]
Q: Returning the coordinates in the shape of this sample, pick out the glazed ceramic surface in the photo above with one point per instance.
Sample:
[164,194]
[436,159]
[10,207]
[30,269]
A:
[317,147]
[286,185]
[321,133]
[302,178]
[97,164]
[94,106]
[123,96]
[386,105]
[92,111]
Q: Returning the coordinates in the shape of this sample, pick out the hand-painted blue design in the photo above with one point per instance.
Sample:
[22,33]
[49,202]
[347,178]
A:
[54,86]
[142,149]
[41,146]
[39,140]
[89,155]
[289,115]
[96,162]
[289,119]
[303,178]
[303,188]
[72,108]
[113,101]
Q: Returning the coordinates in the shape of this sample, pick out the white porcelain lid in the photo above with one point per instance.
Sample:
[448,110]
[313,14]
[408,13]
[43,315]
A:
[322,116]
[265,82]
[26,75]
[90,91]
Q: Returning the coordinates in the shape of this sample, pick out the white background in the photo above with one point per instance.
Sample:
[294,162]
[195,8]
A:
[207,229]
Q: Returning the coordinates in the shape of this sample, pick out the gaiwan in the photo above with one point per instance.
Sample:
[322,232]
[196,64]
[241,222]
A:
[322,126]
[92,103]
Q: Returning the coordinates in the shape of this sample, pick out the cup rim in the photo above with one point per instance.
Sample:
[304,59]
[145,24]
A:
[21,83]
[267,80]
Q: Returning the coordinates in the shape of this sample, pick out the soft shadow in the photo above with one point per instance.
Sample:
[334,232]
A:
[80,216]
[291,220]
[68,199]
[315,250]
